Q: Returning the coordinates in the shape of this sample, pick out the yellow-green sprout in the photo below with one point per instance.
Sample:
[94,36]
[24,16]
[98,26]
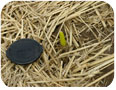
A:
[62,39]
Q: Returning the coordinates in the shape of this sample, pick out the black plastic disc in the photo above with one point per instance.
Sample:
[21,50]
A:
[24,51]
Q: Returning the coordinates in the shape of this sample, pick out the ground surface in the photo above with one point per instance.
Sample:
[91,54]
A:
[86,60]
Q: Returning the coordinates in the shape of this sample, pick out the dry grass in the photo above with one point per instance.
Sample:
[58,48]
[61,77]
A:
[86,60]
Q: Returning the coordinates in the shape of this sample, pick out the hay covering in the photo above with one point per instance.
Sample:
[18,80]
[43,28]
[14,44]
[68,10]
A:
[86,60]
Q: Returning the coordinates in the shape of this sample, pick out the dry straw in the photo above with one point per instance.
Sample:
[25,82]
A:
[86,60]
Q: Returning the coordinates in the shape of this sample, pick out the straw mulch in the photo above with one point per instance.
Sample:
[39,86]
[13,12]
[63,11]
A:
[86,60]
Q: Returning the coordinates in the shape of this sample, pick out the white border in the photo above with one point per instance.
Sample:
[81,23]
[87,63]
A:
[111,86]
